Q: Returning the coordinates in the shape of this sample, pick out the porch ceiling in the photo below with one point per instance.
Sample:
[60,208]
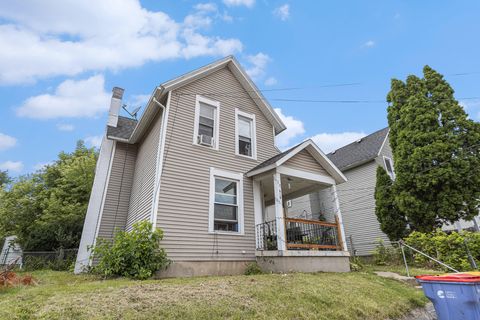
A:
[292,187]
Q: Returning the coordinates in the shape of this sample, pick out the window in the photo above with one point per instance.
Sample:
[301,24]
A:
[245,143]
[289,203]
[389,167]
[226,202]
[206,122]
[225,205]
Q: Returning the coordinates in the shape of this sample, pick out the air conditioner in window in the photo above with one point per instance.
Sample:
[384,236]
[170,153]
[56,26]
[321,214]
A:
[205,140]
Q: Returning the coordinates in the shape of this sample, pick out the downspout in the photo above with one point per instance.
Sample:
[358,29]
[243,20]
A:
[160,155]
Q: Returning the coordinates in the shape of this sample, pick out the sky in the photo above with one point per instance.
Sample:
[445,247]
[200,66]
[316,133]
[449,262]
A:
[325,66]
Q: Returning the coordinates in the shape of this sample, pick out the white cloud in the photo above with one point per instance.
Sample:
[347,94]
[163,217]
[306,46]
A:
[6,141]
[369,44]
[207,7]
[329,142]
[82,98]
[235,3]
[94,141]
[294,129]
[282,12]
[51,38]
[271,81]
[13,166]
[65,127]
[139,100]
[41,165]
[259,64]
[472,107]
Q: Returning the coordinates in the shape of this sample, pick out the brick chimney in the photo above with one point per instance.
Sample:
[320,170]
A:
[115,104]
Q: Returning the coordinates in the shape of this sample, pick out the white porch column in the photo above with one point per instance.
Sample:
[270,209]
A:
[257,210]
[279,217]
[340,219]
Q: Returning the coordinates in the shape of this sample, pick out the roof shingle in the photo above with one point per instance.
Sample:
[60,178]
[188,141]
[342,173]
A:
[124,128]
[359,152]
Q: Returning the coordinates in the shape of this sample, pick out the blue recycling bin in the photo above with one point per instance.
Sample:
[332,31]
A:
[454,296]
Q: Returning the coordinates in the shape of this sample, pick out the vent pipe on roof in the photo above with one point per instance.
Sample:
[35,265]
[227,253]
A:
[115,104]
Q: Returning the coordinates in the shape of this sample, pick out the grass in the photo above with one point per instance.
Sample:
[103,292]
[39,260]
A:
[401,270]
[61,295]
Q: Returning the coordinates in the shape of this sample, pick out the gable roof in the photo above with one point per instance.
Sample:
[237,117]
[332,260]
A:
[283,157]
[359,152]
[123,130]
[230,62]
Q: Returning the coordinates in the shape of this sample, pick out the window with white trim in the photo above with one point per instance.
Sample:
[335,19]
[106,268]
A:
[226,202]
[389,167]
[206,122]
[245,143]
[225,207]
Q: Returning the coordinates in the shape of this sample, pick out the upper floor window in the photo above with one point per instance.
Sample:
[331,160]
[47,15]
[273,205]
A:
[389,167]
[206,122]
[245,136]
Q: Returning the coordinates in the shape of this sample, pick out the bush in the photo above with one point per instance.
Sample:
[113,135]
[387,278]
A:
[135,254]
[386,255]
[449,248]
[253,268]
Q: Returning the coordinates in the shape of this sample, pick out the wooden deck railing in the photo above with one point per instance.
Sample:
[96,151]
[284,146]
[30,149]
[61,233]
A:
[301,234]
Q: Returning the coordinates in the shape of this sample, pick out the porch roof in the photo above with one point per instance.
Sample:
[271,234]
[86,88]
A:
[312,148]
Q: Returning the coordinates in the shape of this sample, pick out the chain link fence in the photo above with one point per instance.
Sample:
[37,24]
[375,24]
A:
[59,260]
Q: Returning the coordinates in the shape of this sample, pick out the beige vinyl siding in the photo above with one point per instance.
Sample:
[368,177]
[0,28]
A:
[141,200]
[115,208]
[304,161]
[357,204]
[184,192]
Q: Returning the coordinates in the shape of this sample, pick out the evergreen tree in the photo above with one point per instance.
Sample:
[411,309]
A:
[392,222]
[436,151]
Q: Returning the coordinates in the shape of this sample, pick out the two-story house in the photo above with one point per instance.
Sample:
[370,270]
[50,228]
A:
[201,164]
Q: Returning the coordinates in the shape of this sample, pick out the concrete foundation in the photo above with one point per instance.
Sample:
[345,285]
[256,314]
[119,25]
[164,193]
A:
[304,261]
[203,268]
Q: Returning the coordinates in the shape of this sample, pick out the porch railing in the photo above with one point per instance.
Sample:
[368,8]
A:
[300,234]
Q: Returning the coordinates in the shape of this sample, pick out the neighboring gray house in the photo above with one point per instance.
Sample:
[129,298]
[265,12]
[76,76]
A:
[201,164]
[11,252]
[358,161]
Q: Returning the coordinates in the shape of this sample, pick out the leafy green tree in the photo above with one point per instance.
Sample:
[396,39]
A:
[392,221]
[46,210]
[436,151]
[4,178]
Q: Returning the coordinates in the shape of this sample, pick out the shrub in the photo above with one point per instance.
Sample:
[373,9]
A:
[386,255]
[253,268]
[135,254]
[449,248]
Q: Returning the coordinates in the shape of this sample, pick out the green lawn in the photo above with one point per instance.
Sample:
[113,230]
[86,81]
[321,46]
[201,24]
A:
[401,270]
[61,295]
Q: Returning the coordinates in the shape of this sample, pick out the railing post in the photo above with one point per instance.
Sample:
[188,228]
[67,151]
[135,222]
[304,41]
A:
[279,216]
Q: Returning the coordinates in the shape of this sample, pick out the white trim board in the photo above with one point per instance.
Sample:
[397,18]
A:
[160,155]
